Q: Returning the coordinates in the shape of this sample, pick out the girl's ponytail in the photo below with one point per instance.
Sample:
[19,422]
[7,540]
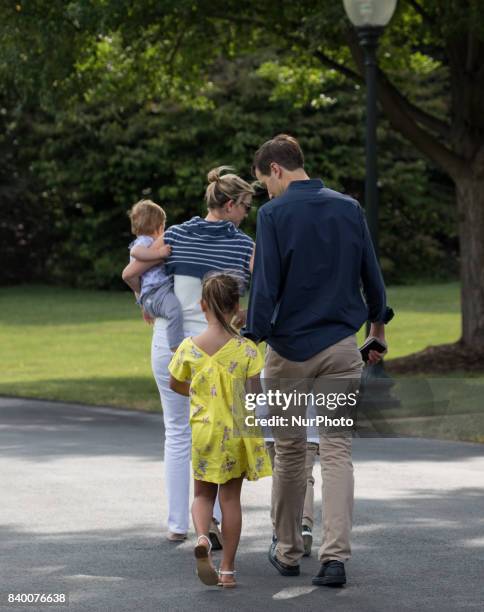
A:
[220,291]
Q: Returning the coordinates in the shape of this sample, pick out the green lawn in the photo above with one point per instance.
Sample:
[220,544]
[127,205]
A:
[81,346]
[93,347]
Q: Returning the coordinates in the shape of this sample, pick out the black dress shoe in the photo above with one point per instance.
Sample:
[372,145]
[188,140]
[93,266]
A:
[331,573]
[282,568]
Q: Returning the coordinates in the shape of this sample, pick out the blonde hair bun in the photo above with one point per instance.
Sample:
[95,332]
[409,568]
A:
[224,185]
[216,173]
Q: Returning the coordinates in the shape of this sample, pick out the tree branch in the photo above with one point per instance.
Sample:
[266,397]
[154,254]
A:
[344,70]
[422,12]
[423,140]
[429,121]
[432,123]
[71,23]
[442,128]
[240,19]
[176,46]
[403,115]
[400,114]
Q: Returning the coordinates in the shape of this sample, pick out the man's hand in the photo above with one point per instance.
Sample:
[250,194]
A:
[374,357]
[165,251]
[377,330]
[147,318]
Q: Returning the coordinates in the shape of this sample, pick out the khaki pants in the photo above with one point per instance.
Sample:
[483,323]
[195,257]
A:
[312,450]
[342,361]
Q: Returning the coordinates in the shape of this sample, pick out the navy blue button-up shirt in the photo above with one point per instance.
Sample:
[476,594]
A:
[316,278]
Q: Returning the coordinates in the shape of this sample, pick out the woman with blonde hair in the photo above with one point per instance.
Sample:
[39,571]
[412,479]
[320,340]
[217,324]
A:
[214,243]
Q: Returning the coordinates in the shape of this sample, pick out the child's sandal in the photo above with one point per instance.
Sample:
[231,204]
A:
[227,585]
[205,570]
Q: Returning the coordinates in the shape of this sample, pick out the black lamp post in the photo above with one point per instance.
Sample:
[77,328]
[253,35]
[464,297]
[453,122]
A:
[369,18]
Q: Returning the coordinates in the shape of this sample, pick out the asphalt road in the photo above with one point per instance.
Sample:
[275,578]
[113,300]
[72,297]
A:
[82,507]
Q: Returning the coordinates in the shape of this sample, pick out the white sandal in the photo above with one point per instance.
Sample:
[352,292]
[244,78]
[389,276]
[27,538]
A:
[227,585]
[205,570]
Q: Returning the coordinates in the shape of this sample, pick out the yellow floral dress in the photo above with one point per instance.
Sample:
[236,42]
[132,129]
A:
[222,448]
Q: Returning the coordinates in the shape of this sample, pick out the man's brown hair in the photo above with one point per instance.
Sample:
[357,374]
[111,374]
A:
[146,217]
[283,150]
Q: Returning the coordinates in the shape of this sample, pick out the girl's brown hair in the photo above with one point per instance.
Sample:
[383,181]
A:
[220,291]
[224,187]
[146,217]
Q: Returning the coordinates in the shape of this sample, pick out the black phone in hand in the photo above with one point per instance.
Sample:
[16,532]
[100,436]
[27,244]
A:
[371,344]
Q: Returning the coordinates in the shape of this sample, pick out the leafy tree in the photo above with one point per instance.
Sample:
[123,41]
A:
[25,227]
[161,50]
[92,162]
[424,38]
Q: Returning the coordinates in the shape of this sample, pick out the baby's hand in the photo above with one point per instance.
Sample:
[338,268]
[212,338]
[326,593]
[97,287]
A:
[165,251]
[147,318]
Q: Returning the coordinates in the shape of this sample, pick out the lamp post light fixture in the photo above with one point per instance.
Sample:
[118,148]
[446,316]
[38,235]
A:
[370,18]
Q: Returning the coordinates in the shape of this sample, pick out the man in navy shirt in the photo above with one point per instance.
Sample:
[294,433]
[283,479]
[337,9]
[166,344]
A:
[316,281]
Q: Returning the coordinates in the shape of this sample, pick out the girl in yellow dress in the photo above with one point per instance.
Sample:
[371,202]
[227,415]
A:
[212,368]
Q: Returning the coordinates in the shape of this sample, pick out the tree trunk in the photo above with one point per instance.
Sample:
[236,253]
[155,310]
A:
[470,201]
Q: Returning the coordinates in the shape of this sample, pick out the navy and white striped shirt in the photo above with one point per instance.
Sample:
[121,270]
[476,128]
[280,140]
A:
[200,246]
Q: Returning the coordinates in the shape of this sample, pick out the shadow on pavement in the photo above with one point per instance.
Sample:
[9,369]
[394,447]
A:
[418,552]
[417,544]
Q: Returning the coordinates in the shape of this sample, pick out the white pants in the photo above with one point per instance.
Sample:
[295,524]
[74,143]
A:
[178,437]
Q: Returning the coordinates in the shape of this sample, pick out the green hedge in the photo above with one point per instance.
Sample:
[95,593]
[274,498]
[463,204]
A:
[69,178]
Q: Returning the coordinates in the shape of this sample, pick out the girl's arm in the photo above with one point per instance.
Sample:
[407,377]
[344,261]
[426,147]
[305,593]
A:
[251,264]
[253,385]
[156,252]
[183,388]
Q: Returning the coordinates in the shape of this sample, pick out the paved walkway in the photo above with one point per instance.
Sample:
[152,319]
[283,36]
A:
[82,505]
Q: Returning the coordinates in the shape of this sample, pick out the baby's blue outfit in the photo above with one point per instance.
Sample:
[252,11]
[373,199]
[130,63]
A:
[157,297]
